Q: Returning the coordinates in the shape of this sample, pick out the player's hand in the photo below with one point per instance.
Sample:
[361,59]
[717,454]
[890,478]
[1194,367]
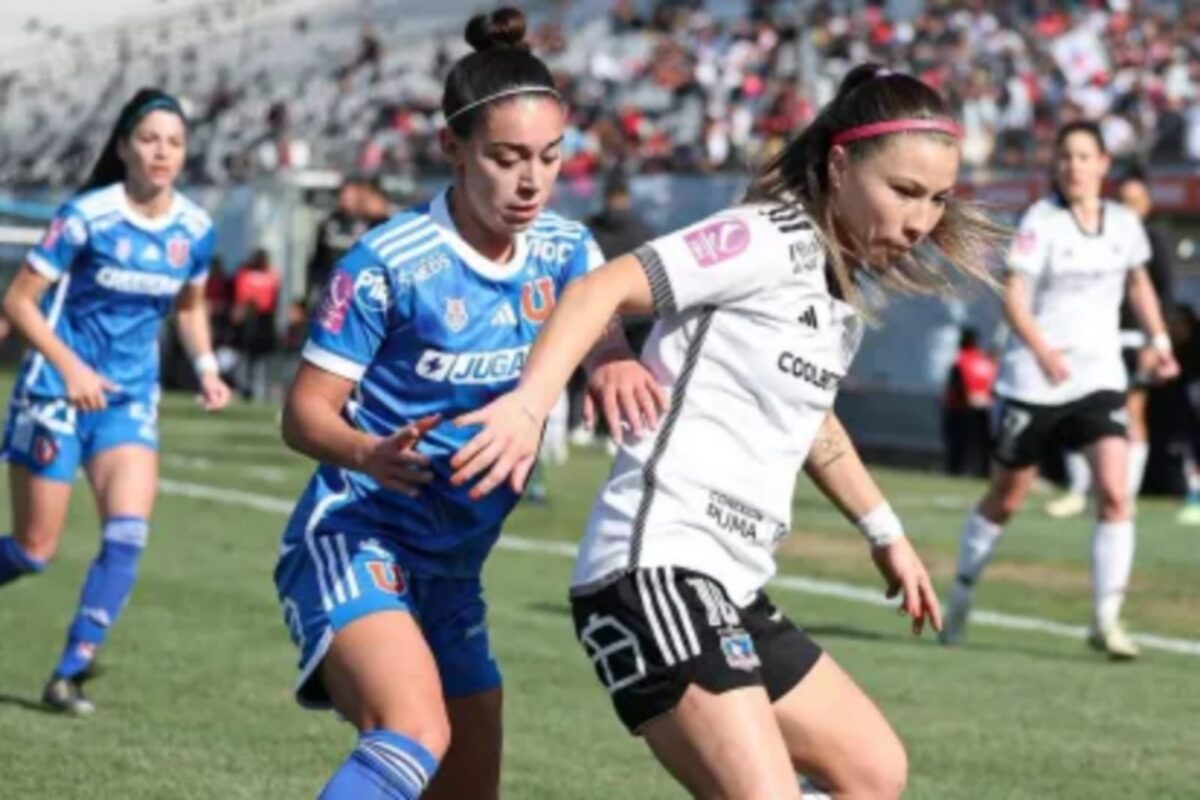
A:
[86,387]
[214,393]
[1054,366]
[506,446]
[394,462]
[626,392]
[1165,366]
[901,567]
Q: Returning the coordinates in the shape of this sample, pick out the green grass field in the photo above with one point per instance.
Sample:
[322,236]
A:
[196,699]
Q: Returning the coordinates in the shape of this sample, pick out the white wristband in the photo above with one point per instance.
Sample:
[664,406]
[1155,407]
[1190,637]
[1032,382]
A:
[205,363]
[1161,342]
[881,526]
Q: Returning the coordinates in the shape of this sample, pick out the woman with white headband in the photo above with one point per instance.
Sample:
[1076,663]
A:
[429,316]
[758,315]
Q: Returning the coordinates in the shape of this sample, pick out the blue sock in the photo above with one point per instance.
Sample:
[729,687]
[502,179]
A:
[384,766]
[105,591]
[15,562]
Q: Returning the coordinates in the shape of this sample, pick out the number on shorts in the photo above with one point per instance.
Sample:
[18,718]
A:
[1013,422]
[718,610]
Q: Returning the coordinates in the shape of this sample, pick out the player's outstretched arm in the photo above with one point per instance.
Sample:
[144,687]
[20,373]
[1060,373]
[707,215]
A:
[620,387]
[191,320]
[835,467]
[1144,301]
[511,426]
[313,425]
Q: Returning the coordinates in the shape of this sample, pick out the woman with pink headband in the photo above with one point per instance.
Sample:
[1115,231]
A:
[759,317]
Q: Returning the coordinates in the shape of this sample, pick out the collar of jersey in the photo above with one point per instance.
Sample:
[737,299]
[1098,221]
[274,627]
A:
[439,212]
[141,220]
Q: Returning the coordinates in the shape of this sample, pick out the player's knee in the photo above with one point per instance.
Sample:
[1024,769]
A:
[999,507]
[39,543]
[1112,505]
[885,775]
[430,729]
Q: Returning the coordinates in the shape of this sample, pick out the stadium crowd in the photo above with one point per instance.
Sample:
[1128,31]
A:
[672,85]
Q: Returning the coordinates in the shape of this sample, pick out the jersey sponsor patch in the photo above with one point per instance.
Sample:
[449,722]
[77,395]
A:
[810,373]
[134,282]
[718,241]
[371,289]
[554,252]
[1025,242]
[487,366]
[338,294]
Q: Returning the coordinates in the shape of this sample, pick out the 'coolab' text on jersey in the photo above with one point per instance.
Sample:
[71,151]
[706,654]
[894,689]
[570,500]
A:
[116,274]
[424,324]
[751,346]
[1075,283]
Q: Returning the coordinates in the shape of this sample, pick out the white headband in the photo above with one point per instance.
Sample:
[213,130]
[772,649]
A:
[499,95]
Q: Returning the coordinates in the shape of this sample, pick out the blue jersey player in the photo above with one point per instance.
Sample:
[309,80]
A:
[90,300]
[429,315]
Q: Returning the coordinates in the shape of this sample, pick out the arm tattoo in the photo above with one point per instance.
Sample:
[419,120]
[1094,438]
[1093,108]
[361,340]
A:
[830,445]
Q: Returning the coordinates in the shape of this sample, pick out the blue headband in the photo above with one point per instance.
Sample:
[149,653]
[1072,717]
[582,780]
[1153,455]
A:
[154,104]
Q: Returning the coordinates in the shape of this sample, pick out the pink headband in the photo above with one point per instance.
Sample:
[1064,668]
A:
[896,126]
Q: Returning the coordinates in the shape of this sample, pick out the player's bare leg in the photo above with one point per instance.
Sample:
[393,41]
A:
[837,736]
[470,770]
[724,745]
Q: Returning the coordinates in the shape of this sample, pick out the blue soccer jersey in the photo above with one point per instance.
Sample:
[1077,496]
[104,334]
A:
[423,324]
[116,274]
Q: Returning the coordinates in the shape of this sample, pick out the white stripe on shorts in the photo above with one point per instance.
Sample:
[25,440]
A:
[652,617]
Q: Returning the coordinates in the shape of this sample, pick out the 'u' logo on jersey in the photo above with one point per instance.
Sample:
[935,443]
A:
[537,300]
[387,576]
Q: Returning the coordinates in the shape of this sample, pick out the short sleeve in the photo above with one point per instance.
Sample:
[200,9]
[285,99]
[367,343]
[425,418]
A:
[1031,245]
[720,260]
[1139,245]
[64,240]
[202,256]
[585,258]
[350,326]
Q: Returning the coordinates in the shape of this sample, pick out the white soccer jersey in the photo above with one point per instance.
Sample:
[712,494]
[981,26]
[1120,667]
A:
[1076,281]
[751,346]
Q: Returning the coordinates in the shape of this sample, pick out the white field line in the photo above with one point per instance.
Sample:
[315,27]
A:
[826,588]
[264,472]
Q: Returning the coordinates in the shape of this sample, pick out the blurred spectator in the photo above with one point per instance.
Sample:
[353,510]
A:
[965,408]
[255,299]
[336,234]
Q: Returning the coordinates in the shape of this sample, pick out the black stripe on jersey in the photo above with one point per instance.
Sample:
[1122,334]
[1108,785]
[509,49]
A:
[660,284]
[649,478]
[789,218]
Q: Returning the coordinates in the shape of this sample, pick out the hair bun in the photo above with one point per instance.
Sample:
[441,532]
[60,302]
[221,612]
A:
[504,27]
[860,75]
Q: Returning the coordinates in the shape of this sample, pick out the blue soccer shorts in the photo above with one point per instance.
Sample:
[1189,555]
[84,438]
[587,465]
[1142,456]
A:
[51,438]
[330,578]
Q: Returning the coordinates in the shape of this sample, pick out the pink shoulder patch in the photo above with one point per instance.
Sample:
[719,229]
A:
[338,294]
[1025,242]
[718,241]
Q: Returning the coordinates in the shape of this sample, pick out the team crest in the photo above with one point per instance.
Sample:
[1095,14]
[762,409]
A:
[537,300]
[123,249]
[387,576]
[456,317]
[45,449]
[178,251]
[739,651]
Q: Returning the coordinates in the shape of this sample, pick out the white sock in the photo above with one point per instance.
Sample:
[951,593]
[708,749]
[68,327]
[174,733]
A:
[1079,474]
[1139,452]
[1112,563]
[979,538]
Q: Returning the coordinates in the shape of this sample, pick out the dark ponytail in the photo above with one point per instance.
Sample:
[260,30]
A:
[109,168]
[872,93]
[501,66]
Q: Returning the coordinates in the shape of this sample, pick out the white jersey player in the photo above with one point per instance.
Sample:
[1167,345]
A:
[1062,380]
[756,327]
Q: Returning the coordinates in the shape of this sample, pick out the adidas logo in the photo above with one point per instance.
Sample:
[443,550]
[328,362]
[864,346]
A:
[809,318]
[151,252]
[504,317]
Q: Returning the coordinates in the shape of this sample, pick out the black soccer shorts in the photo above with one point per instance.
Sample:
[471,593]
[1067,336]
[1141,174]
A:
[1022,432]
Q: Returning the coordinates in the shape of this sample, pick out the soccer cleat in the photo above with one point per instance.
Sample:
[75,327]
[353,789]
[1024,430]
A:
[65,695]
[954,621]
[1114,641]
[1189,514]
[1070,504]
